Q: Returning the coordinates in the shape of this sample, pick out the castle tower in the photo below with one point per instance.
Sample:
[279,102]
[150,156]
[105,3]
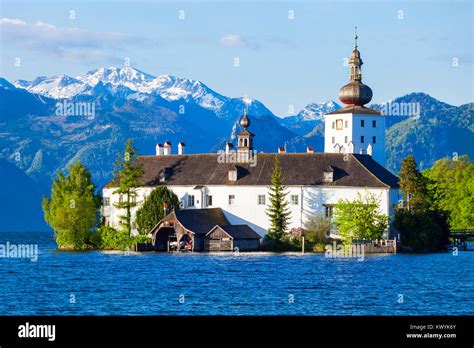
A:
[353,128]
[245,140]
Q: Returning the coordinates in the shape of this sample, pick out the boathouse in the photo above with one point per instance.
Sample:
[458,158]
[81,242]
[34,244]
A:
[202,230]
[231,237]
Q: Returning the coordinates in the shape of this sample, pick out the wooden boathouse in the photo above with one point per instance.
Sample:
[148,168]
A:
[202,230]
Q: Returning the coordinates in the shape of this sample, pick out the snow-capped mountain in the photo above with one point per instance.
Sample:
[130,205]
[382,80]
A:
[56,87]
[309,117]
[139,84]
[316,111]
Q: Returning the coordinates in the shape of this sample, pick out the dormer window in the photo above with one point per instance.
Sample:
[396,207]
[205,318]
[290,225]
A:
[328,174]
[233,174]
[165,174]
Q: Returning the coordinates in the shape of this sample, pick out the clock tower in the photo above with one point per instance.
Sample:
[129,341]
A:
[355,128]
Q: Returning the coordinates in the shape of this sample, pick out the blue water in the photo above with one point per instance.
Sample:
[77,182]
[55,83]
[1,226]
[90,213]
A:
[117,283]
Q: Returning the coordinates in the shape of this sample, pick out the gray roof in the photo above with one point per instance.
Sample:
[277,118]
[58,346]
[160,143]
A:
[298,169]
[240,231]
[201,220]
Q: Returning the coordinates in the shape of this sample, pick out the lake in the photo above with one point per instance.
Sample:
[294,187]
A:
[120,283]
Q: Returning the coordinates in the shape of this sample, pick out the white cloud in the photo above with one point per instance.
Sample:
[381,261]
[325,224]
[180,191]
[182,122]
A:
[231,40]
[67,43]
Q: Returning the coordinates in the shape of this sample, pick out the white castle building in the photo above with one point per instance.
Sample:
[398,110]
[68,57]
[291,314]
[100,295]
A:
[238,181]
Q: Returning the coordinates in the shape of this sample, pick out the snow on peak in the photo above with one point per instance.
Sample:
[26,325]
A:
[126,76]
[315,111]
[137,82]
[56,87]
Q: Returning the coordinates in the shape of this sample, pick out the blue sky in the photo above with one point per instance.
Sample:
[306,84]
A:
[405,46]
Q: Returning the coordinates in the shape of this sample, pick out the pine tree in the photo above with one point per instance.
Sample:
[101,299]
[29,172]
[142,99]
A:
[278,210]
[128,173]
[414,186]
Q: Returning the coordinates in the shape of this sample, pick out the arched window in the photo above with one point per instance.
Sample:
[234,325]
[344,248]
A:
[245,142]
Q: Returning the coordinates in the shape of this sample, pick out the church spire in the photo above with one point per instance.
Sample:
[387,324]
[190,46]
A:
[355,37]
[355,92]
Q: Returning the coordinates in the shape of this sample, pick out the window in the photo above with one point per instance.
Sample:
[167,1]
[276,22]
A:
[346,124]
[233,175]
[294,199]
[231,199]
[261,199]
[120,199]
[362,123]
[374,140]
[190,201]
[328,176]
[374,123]
[333,140]
[328,210]
[345,139]
[208,200]
[334,125]
[133,199]
[106,201]
[362,139]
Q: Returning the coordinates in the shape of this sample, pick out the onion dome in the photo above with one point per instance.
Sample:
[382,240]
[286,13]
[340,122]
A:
[245,121]
[355,92]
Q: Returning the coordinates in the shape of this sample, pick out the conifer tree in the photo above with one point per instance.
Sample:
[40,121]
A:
[413,184]
[160,202]
[278,210]
[128,172]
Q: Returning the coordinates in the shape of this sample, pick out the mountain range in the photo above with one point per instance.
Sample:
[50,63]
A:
[38,137]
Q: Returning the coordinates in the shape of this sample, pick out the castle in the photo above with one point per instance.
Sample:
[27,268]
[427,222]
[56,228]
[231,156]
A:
[235,185]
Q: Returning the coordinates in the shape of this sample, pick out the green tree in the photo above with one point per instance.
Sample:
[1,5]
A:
[72,210]
[421,225]
[420,231]
[316,229]
[278,210]
[451,184]
[152,210]
[413,184]
[128,172]
[360,218]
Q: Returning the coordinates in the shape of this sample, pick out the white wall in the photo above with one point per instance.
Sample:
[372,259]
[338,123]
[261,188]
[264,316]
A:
[354,131]
[245,210]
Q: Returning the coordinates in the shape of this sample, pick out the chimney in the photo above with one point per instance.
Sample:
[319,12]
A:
[181,146]
[167,148]
[309,149]
[281,149]
[229,147]
[159,149]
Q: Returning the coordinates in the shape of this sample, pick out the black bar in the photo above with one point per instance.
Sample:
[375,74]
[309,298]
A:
[289,331]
